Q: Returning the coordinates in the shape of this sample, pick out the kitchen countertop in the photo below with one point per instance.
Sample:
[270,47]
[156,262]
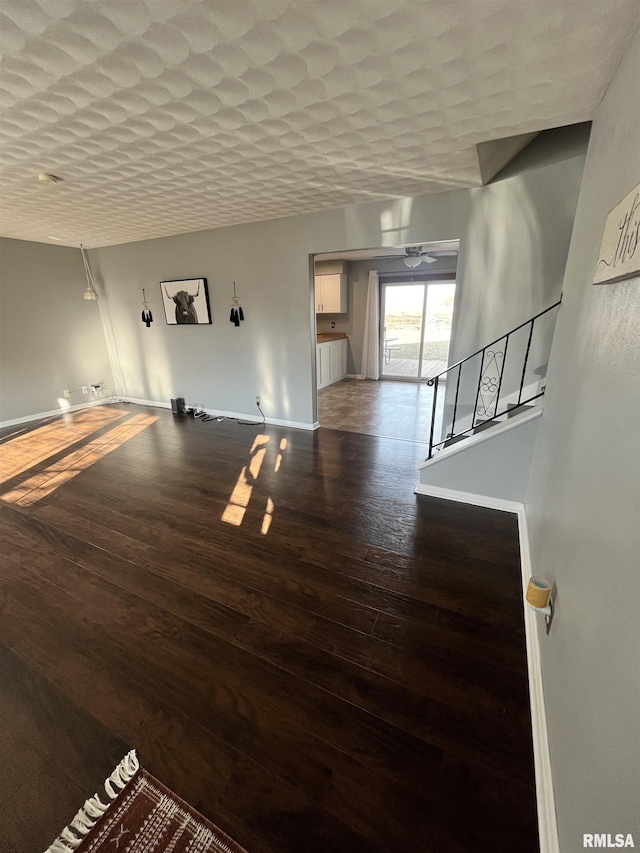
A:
[326,337]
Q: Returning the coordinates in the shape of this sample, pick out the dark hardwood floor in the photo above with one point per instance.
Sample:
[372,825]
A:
[296,644]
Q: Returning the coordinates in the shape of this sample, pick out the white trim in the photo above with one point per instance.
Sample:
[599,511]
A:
[354,376]
[155,404]
[50,414]
[292,424]
[547,824]
[467,498]
[478,438]
[218,413]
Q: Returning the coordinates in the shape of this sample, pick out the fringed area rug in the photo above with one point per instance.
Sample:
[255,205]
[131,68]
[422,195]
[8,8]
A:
[137,813]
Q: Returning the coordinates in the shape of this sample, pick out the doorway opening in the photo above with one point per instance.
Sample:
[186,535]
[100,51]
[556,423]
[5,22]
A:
[412,313]
[415,328]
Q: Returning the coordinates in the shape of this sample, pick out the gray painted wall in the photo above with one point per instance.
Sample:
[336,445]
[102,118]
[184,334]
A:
[272,352]
[583,503]
[497,467]
[512,261]
[50,338]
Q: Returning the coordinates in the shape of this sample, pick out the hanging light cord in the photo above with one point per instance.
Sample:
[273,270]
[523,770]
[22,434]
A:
[91,285]
[112,350]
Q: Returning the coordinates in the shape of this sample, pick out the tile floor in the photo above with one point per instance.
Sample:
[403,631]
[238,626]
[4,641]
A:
[386,408]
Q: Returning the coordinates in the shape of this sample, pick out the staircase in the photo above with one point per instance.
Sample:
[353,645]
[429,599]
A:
[494,398]
[491,405]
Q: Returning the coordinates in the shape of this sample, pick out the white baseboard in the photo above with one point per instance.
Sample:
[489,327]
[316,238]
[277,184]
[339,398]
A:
[547,824]
[467,498]
[219,413]
[354,376]
[155,404]
[53,413]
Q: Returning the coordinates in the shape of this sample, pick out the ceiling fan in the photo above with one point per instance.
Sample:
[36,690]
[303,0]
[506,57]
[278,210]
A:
[413,256]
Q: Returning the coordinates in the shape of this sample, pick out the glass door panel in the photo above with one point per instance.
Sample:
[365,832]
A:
[437,328]
[401,330]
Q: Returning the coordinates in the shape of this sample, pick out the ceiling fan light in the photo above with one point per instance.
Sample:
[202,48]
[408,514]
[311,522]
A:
[412,261]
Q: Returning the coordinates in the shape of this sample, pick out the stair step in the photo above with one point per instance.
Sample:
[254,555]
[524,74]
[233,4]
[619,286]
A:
[481,425]
[516,410]
[455,440]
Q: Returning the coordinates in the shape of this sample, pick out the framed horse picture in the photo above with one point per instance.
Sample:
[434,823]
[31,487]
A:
[186,302]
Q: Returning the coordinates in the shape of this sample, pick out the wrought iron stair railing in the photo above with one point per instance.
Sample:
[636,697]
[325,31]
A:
[489,386]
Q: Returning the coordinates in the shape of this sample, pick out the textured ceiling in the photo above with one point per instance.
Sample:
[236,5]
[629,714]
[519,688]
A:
[166,116]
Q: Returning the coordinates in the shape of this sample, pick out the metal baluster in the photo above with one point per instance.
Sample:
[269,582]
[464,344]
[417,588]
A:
[504,361]
[475,405]
[526,358]
[433,415]
[455,402]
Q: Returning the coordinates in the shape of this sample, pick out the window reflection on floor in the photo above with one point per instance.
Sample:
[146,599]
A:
[28,451]
[236,508]
[19,453]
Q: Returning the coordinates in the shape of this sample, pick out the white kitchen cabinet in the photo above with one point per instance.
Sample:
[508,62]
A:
[331,294]
[331,362]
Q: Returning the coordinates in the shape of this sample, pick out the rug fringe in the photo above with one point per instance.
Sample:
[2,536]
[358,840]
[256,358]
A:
[93,809]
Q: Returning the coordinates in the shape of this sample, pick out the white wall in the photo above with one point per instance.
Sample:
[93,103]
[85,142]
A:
[51,339]
[583,503]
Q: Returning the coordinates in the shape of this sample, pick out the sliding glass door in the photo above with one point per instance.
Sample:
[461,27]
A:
[415,330]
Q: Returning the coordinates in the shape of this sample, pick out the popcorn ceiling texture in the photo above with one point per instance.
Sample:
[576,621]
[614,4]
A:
[168,116]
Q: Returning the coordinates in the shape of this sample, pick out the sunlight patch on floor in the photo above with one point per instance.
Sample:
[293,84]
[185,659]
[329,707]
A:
[45,482]
[31,448]
[236,508]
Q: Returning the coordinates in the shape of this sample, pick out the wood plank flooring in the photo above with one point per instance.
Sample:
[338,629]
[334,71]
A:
[308,653]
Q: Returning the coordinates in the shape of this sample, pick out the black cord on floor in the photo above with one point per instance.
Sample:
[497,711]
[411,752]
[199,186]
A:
[203,416]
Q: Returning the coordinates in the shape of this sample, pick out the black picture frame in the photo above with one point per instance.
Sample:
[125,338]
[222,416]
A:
[186,302]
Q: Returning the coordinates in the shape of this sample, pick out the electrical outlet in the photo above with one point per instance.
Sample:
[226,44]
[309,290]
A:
[333,325]
[66,393]
[85,389]
[257,400]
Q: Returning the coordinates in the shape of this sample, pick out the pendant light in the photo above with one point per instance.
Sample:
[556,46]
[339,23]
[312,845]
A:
[90,293]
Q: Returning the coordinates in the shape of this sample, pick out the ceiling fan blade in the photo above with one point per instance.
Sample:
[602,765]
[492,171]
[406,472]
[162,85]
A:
[428,259]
